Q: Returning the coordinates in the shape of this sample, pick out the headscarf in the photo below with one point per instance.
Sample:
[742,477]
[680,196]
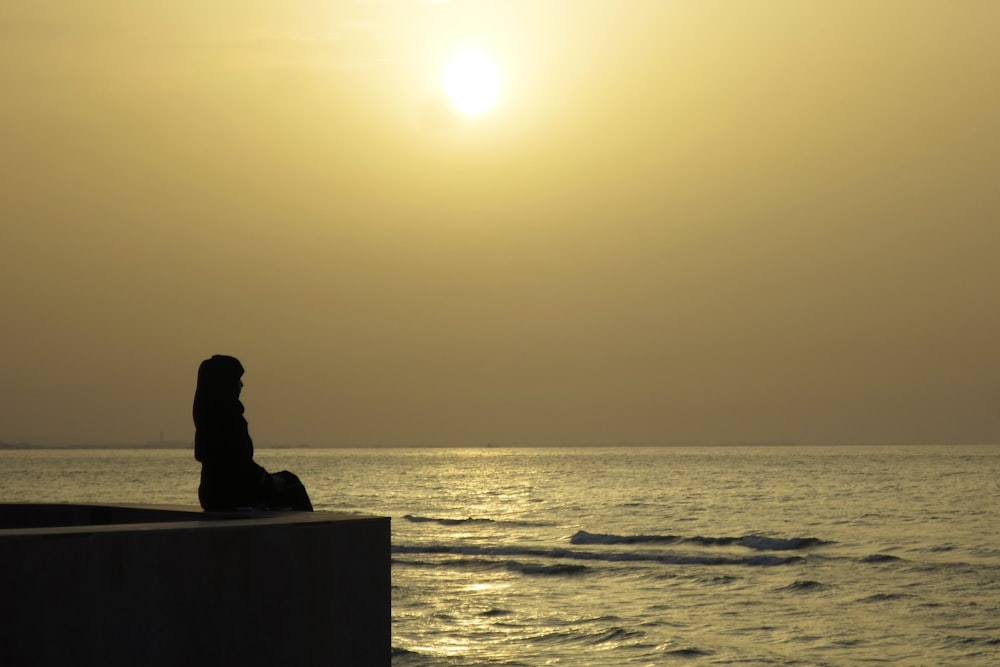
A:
[217,411]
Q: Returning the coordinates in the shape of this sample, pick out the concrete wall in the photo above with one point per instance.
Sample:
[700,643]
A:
[103,585]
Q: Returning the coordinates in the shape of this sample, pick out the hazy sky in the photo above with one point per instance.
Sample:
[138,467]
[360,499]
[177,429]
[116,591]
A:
[684,220]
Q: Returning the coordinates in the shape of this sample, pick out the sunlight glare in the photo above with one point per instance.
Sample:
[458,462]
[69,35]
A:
[472,81]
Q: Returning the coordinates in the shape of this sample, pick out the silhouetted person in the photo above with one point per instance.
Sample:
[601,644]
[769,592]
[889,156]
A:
[230,478]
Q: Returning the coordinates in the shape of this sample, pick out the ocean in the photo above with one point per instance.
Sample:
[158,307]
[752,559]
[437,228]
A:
[818,556]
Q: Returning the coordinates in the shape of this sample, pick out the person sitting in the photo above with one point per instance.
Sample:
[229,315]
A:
[230,478]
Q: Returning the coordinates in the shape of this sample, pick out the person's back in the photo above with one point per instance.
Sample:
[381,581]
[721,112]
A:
[230,478]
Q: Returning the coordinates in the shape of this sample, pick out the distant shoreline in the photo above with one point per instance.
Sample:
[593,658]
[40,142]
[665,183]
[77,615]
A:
[189,445]
[152,445]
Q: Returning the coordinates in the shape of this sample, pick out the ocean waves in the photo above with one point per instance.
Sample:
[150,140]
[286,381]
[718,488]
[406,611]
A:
[595,637]
[594,556]
[486,564]
[755,542]
[445,521]
[588,551]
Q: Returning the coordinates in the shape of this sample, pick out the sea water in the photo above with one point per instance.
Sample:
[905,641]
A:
[640,556]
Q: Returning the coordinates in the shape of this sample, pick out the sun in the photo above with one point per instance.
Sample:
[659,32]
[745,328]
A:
[472,81]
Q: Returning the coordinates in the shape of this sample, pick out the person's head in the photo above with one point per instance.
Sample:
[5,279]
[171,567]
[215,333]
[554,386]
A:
[219,384]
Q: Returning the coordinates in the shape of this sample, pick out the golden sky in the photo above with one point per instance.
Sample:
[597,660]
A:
[683,220]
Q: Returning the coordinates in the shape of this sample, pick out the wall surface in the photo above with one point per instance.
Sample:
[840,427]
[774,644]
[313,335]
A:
[103,585]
